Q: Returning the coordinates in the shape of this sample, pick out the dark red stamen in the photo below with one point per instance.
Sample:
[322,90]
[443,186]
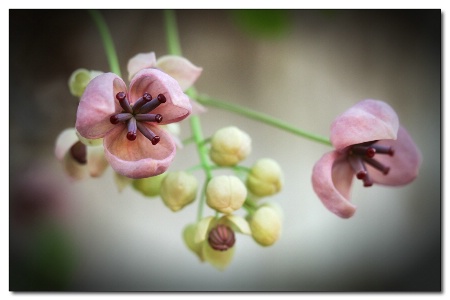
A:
[141,101]
[122,97]
[361,154]
[149,118]
[151,105]
[134,115]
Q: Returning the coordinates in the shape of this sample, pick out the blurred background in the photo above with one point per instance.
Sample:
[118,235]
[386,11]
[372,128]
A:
[302,66]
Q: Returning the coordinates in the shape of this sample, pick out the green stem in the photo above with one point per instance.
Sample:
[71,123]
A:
[203,155]
[107,41]
[173,41]
[261,117]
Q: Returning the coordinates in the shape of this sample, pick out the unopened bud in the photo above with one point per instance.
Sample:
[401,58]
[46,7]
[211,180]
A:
[225,193]
[150,186]
[80,79]
[178,189]
[265,178]
[229,146]
[265,225]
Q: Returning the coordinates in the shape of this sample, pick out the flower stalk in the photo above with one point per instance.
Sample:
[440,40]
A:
[261,117]
[107,41]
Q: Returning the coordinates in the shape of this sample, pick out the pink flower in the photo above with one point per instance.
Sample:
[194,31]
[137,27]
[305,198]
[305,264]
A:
[369,144]
[129,120]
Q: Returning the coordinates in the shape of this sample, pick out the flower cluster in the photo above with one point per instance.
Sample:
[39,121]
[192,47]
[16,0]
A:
[127,128]
[213,238]
[130,129]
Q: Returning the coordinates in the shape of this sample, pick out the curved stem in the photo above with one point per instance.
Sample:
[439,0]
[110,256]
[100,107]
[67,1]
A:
[261,117]
[203,155]
[173,42]
[107,41]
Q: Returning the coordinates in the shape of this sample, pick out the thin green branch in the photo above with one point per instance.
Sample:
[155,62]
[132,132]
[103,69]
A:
[107,41]
[261,117]
[173,41]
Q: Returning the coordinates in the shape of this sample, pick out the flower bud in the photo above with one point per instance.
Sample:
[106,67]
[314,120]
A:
[265,178]
[150,186]
[229,146]
[178,189]
[225,193]
[80,79]
[265,225]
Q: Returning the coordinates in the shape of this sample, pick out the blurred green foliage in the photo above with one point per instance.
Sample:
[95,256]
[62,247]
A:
[262,23]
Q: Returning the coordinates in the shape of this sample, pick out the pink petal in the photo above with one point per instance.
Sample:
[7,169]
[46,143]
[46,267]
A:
[155,82]
[179,68]
[65,140]
[96,161]
[332,179]
[97,104]
[139,62]
[404,165]
[138,158]
[366,121]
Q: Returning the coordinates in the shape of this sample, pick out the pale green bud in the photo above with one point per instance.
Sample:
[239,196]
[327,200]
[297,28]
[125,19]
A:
[150,186]
[178,189]
[265,178]
[229,146]
[225,193]
[265,225]
[80,79]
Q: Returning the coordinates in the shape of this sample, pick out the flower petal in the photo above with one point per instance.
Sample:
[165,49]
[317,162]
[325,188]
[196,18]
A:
[185,72]
[65,140]
[236,223]
[97,104]
[404,165]
[218,259]
[139,62]
[138,158]
[367,120]
[202,230]
[331,179]
[153,81]
[96,161]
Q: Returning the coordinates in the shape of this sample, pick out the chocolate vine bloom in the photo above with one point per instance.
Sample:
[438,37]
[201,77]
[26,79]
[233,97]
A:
[369,145]
[129,120]
[213,239]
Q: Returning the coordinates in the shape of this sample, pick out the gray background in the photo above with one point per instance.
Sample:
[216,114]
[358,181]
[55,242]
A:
[326,62]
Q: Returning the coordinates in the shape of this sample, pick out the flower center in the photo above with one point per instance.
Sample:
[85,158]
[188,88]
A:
[221,238]
[134,116]
[361,154]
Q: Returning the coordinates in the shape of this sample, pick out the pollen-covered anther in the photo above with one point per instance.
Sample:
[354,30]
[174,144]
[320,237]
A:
[221,238]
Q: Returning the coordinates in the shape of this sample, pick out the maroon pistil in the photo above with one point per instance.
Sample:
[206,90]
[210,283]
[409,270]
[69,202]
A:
[221,238]
[134,116]
[361,154]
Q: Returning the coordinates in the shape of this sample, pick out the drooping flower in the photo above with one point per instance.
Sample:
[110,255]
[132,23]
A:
[128,120]
[369,145]
[80,157]
[213,239]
